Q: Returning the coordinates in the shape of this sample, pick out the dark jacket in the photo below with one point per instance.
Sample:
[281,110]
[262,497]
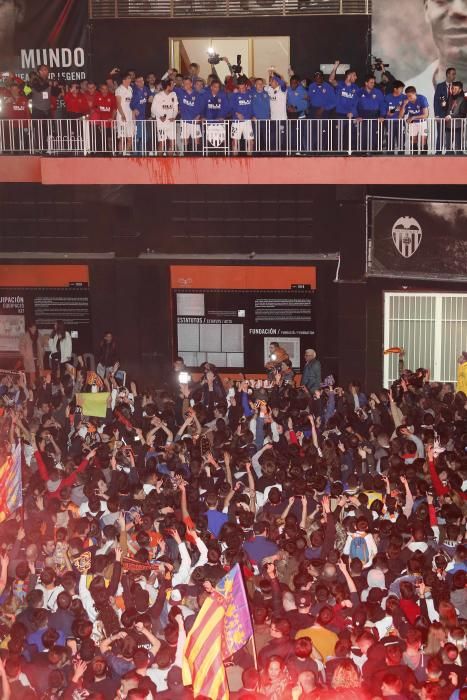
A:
[458,109]
[311,377]
[440,102]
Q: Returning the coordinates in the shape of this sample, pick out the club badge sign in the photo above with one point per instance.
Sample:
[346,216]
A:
[417,239]
[407,236]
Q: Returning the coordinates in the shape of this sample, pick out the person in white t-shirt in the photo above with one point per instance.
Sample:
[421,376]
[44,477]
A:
[165,109]
[277,91]
[125,119]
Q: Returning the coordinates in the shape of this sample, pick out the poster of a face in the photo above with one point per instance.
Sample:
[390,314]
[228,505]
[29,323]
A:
[53,32]
[421,39]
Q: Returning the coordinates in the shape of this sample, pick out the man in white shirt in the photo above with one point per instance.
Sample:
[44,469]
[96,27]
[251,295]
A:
[125,120]
[277,91]
[165,109]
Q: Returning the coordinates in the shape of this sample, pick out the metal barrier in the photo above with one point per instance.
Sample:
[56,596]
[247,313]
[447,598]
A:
[306,137]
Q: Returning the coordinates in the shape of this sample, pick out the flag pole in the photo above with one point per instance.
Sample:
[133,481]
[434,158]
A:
[253,646]
[253,641]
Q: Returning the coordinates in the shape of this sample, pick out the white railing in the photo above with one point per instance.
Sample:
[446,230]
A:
[84,137]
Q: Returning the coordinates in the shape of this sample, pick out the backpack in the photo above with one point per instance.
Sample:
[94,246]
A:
[359,549]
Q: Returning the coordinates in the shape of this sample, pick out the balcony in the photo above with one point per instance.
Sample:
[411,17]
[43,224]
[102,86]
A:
[306,151]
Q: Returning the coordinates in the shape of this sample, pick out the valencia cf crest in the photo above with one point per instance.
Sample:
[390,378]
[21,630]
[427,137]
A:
[407,235]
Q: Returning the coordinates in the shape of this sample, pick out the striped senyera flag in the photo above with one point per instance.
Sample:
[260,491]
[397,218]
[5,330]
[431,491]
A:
[11,493]
[203,666]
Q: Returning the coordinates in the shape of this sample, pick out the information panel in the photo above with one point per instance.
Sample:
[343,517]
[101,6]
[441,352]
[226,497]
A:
[229,315]
[45,294]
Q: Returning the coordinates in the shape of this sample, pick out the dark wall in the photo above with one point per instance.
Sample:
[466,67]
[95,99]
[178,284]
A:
[131,220]
[143,44]
[132,298]
[131,295]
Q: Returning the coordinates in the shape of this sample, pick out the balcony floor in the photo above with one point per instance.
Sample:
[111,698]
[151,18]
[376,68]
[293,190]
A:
[326,170]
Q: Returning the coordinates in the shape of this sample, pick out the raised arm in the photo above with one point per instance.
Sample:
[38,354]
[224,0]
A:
[180,641]
[154,642]
[6,690]
[349,580]
[332,77]
[251,486]
[407,509]
[4,561]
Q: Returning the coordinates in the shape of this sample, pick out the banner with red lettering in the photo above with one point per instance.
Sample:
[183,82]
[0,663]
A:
[53,32]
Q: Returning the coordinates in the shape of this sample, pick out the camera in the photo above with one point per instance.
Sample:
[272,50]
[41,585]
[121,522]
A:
[237,68]
[377,64]
[184,378]
[213,57]
[380,65]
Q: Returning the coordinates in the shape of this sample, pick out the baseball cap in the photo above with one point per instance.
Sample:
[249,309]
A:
[303,600]
[174,677]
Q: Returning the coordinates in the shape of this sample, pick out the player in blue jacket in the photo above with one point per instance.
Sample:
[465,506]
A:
[392,103]
[191,107]
[241,105]
[371,108]
[322,100]
[138,105]
[297,105]
[216,112]
[415,111]
[322,97]
[216,104]
[347,93]
[262,114]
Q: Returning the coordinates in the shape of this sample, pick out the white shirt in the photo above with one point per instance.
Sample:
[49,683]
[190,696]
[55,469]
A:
[84,509]
[50,596]
[65,346]
[158,676]
[125,94]
[278,102]
[165,104]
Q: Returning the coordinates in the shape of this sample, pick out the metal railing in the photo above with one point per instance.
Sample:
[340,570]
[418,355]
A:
[116,9]
[307,137]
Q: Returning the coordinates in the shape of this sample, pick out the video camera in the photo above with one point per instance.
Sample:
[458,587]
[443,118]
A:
[237,68]
[378,64]
[213,57]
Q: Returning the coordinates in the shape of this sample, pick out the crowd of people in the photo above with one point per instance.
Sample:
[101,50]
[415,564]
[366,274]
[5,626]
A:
[130,111]
[345,511]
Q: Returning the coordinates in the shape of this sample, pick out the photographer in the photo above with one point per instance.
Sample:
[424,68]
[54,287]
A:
[384,78]
[443,92]
[455,124]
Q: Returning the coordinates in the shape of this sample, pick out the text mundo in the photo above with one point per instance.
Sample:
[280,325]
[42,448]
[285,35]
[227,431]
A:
[53,58]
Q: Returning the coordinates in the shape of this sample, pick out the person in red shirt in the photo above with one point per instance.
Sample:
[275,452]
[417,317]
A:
[91,96]
[16,108]
[16,104]
[105,107]
[76,103]
[53,479]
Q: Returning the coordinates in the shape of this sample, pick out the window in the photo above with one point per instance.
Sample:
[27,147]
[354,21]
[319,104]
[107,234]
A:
[430,327]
